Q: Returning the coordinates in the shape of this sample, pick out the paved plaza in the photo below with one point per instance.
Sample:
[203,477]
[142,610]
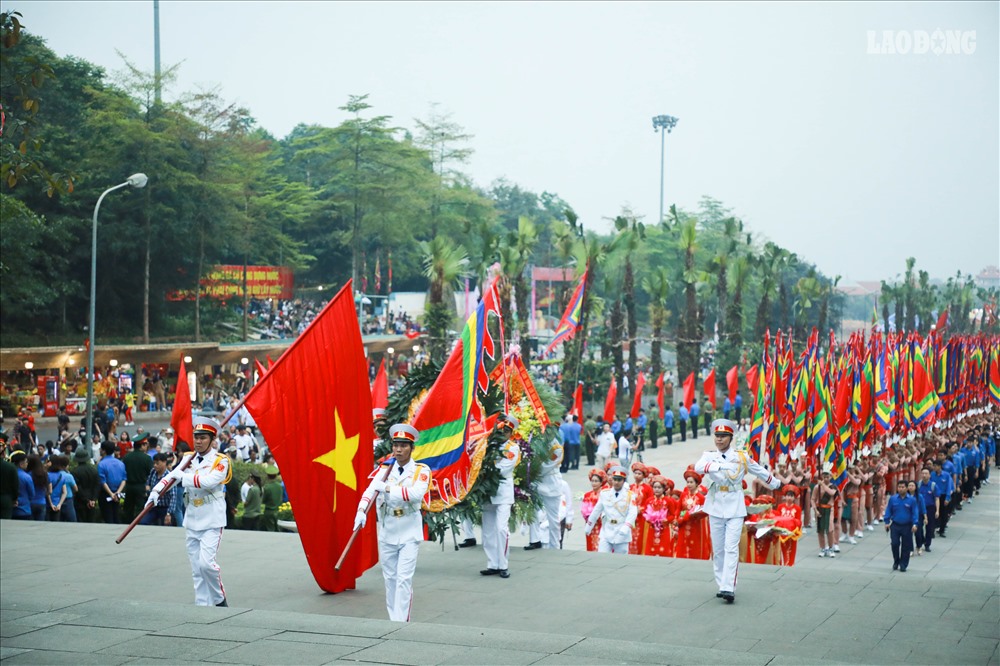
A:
[68,594]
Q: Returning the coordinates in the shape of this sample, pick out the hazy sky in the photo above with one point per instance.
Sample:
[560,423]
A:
[855,160]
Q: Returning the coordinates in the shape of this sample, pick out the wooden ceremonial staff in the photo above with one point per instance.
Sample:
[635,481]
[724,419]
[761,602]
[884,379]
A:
[182,466]
[354,534]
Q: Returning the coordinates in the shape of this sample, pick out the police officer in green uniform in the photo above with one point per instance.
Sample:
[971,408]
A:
[271,499]
[138,465]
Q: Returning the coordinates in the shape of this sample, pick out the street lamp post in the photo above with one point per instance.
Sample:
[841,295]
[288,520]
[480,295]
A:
[661,123]
[137,180]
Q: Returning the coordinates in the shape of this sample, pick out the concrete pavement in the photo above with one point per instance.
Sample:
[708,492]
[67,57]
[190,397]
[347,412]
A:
[68,594]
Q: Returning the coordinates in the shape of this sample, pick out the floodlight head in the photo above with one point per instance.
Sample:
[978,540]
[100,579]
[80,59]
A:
[137,180]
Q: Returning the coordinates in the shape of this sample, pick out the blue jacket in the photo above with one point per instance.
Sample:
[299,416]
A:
[695,409]
[668,418]
[902,510]
[25,493]
[683,413]
[928,492]
[726,406]
[739,401]
[641,422]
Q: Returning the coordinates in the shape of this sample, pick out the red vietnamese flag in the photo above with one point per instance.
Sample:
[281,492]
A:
[180,417]
[709,387]
[313,388]
[609,402]
[578,402]
[689,391]
[733,382]
[260,368]
[659,396]
[380,389]
[640,383]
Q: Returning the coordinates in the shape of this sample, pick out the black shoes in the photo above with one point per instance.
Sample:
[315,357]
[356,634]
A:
[222,604]
[728,596]
[489,572]
[534,545]
[468,543]
[718,595]
[895,565]
[504,573]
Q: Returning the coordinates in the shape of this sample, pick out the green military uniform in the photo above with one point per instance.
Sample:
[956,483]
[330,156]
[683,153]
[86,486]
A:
[8,488]
[271,500]
[252,508]
[88,488]
[138,465]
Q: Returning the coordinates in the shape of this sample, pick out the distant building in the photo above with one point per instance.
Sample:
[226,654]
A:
[988,278]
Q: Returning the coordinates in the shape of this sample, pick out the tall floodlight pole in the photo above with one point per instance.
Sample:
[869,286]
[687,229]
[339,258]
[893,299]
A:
[137,180]
[661,123]
[156,50]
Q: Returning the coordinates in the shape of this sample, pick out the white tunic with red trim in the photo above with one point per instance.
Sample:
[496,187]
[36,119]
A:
[204,482]
[398,507]
[723,474]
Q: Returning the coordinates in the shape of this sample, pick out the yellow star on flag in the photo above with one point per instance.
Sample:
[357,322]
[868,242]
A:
[341,457]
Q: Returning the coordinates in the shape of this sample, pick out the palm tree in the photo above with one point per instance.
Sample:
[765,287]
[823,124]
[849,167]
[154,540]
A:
[731,229]
[768,267]
[688,338]
[630,233]
[657,285]
[909,291]
[729,351]
[444,265]
[515,256]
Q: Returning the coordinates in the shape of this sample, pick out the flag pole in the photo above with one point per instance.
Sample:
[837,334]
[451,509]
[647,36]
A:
[354,534]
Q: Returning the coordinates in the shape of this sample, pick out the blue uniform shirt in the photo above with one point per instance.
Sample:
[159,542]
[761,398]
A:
[928,492]
[111,471]
[902,510]
[943,484]
[739,401]
[628,424]
[668,419]
[683,413]
[616,427]
[641,422]
[570,433]
[25,493]
[695,409]
[726,406]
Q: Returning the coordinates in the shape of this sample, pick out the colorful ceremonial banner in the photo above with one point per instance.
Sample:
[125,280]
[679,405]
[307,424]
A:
[180,416]
[316,387]
[443,416]
[570,322]
[226,283]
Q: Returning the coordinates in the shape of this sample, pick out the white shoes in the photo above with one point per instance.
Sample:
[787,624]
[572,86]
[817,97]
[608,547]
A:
[835,549]
[852,541]
[869,527]
[824,553]
[843,538]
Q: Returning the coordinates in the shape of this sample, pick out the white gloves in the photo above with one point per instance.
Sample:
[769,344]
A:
[359,520]
[378,485]
[153,496]
[587,530]
[175,474]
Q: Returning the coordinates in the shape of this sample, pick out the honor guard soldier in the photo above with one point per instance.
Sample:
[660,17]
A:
[549,489]
[204,479]
[496,514]
[617,507]
[723,471]
[397,491]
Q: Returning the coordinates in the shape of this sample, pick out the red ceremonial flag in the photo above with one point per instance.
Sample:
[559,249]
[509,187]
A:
[260,368]
[659,396]
[689,391]
[733,382]
[609,402]
[578,402]
[316,387]
[180,417]
[380,389]
[752,375]
[709,387]
[640,383]
[942,322]
[269,361]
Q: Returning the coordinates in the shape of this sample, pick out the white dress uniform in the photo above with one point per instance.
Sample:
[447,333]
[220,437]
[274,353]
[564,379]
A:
[549,489]
[723,475]
[400,530]
[204,482]
[620,512]
[496,514]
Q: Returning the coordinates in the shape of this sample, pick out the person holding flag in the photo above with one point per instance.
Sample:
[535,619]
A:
[397,491]
[204,479]
[723,471]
